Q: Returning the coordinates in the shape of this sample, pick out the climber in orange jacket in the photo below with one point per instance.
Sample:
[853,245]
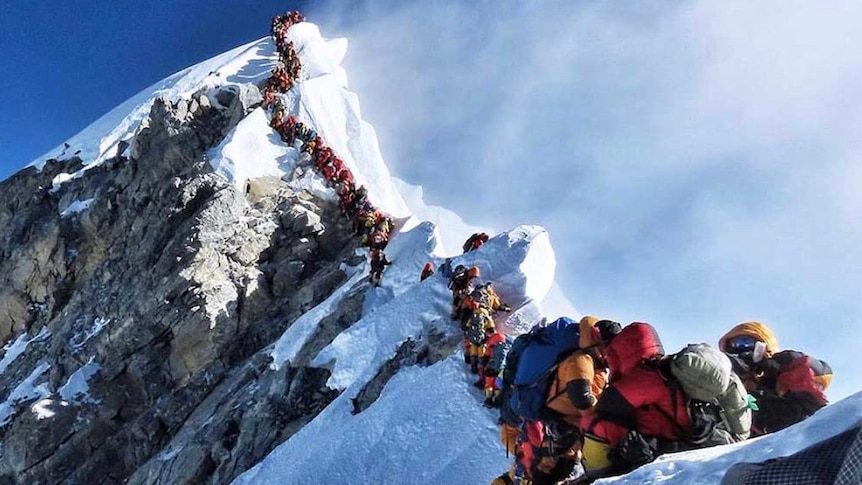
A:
[461,284]
[549,456]
[582,376]
[580,380]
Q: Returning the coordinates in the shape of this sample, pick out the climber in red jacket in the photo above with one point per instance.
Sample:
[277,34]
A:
[427,271]
[637,404]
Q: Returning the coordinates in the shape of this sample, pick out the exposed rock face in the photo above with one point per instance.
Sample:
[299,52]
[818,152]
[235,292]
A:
[157,284]
[430,349]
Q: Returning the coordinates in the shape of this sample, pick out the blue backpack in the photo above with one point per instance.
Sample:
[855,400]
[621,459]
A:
[498,356]
[543,349]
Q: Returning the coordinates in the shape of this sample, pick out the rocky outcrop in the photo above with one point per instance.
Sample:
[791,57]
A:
[137,302]
[436,346]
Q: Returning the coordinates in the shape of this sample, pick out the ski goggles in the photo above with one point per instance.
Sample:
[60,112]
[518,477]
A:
[740,344]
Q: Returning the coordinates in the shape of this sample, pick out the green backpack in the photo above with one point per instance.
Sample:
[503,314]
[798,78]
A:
[705,374]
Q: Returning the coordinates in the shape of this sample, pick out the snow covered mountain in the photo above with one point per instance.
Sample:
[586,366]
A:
[183,303]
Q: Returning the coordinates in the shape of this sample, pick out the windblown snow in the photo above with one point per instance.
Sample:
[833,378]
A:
[428,426]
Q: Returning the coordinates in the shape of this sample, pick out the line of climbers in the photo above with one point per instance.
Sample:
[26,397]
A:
[283,77]
[371,224]
[589,399]
[474,305]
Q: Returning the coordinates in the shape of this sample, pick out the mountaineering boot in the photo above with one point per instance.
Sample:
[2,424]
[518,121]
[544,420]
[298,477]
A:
[492,398]
[489,398]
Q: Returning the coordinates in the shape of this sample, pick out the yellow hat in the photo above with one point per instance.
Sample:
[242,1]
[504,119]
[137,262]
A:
[752,329]
[585,327]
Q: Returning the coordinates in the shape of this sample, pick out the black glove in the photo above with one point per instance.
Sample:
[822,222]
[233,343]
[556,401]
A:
[636,450]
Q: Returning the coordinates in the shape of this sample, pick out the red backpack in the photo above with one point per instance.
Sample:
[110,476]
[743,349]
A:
[636,343]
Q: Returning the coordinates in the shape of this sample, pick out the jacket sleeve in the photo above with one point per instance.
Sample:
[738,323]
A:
[579,373]
[796,372]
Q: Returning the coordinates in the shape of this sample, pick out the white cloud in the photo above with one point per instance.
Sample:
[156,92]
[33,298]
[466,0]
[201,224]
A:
[695,164]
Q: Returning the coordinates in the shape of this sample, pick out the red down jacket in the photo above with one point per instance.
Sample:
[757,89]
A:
[638,399]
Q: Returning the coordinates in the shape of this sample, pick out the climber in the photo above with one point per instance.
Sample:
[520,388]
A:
[344,177]
[322,157]
[475,241]
[360,197]
[308,146]
[477,329]
[345,198]
[788,386]
[383,223]
[461,285]
[496,349]
[582,376]
[328,173]
[427,271]
[378,263]
[646,410]
[269,96]
[277,119]
[465,311]
[573,388]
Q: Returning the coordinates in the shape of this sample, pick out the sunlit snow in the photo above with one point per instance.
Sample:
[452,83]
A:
[25,390]
[76,389]
[12,350]
[76,207]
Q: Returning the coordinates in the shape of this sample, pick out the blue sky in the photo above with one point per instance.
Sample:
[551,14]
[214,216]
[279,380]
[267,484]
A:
[696,165]
[67,63]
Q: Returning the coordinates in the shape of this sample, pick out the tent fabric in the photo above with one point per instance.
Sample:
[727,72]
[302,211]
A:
[837,460]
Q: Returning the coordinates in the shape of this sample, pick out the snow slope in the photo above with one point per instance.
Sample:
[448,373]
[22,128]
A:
[431,439]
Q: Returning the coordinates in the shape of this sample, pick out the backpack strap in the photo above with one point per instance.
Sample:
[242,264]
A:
[555,396]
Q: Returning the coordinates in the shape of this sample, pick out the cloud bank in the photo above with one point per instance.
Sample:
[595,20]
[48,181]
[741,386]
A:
[696,165]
